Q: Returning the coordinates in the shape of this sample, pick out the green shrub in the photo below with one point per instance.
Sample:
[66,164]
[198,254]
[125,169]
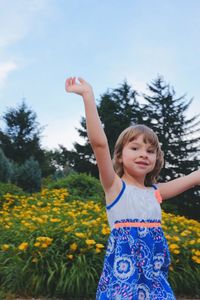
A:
[29,176]
[10,188]
[5,167]
[81,186]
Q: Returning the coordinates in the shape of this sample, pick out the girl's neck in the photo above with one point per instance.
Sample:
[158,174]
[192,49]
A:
[139,182]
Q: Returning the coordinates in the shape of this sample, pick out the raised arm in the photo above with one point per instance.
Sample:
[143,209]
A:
[179,185]
[95,131]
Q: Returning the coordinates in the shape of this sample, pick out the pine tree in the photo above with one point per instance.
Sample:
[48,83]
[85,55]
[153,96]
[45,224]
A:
[20,139]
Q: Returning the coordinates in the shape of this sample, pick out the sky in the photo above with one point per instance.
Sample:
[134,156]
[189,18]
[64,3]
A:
[42,42]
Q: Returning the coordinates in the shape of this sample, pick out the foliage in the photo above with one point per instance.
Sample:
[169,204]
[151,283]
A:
[10,188]
[53,247]
[29,176]
[5,167]
[81,186]
[20,139]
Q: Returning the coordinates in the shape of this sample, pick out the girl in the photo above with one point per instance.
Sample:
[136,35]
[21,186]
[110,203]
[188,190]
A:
[137,257]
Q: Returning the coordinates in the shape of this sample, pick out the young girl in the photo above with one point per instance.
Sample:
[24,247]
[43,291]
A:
[137,257]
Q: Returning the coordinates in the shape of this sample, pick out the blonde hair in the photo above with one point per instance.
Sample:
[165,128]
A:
[128,135]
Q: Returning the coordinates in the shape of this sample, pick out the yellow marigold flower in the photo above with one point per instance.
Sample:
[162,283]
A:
[79,234]
[90,242]
[73,247]
[97,250]
[176,251]
[44,245]
[5,247]
[168,237]
[23,246]
[196,259]
[43,241]
[37,244]
[105,231]
[176,238]
[100,246]
[197,252]
[173,246]
[55,220]
[192,242]
[70,256]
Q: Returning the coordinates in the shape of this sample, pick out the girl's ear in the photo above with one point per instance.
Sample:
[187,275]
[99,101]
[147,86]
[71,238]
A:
[120,160]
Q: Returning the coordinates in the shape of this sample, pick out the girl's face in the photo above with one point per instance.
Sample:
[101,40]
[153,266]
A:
[138,157]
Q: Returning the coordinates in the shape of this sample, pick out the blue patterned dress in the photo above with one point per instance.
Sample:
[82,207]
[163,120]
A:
[137,257]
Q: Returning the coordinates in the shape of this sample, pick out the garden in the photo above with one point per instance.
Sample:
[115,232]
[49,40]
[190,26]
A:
[52,243]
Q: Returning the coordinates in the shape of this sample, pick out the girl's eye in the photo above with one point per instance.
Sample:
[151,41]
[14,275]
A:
[134,148]
[151,151]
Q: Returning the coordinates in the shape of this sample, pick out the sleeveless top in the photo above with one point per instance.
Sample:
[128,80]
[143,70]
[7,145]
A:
[141,204]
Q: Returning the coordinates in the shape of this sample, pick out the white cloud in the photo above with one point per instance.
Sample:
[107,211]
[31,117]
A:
[5,69]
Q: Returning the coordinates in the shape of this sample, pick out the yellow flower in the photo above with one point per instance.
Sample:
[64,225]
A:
[43,241]
[5,247]
[73,247]
[44,245]
[70,256]
[23,246]
[196,259]
[100,246]
[176,238]
[90,242]
[192,242]
[173,246]
[97,250]
[37,244]
[79,234]
[105,231]
[55,220]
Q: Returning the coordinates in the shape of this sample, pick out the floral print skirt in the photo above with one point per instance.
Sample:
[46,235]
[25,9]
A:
[136,264]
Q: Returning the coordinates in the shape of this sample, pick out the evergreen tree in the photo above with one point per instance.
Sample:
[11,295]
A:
[29,176]
[20,139]
[5,168]
[179,137]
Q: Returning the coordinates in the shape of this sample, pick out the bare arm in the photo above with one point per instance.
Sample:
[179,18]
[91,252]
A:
[179,185]
[95,131]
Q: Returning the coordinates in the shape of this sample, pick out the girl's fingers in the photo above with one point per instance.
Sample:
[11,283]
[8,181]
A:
[81,80]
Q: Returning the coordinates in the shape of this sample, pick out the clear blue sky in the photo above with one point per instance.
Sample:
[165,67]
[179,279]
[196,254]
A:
[44,41]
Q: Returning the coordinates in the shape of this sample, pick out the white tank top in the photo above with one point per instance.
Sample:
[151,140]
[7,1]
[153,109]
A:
[135,203]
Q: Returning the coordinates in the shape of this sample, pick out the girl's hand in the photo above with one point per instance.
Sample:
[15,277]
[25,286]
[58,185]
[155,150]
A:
[81,88]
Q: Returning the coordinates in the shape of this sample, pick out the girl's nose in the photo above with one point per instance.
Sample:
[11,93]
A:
[143,153]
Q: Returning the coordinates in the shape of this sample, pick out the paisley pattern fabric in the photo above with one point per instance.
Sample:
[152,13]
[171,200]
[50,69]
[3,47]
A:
[136,264]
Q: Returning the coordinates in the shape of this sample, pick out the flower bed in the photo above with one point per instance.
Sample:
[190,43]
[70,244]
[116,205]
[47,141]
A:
[50,246]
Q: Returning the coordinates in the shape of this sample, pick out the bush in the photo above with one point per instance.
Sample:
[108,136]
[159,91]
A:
[81,186]
[10,188]
[7,189]
[5,167]
[29,176]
